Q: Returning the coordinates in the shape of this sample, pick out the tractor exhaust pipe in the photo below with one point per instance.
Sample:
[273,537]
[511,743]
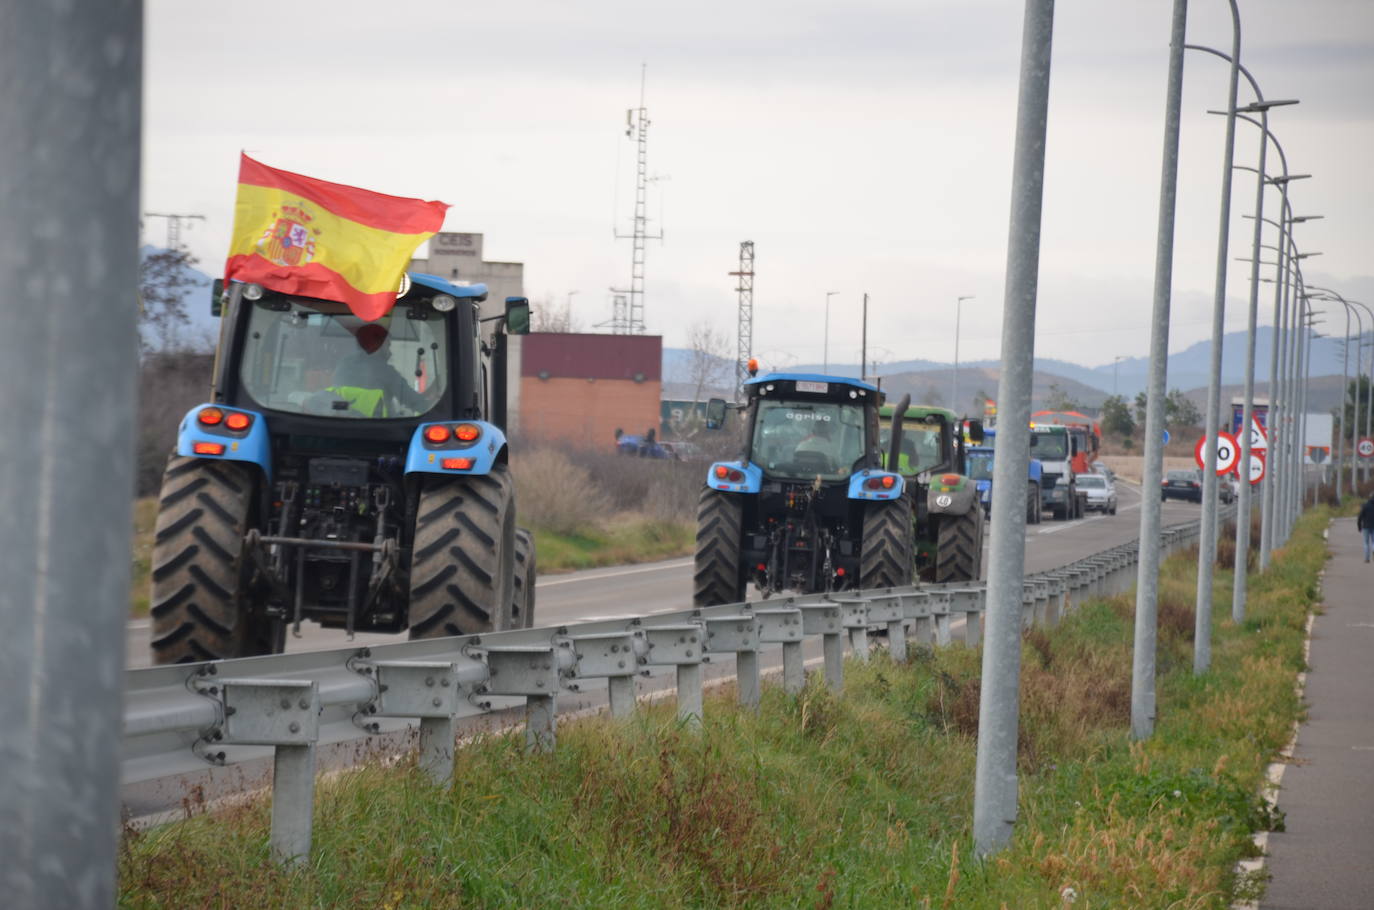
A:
[898,417]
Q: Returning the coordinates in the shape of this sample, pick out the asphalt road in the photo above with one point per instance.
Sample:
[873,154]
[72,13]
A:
[660,587]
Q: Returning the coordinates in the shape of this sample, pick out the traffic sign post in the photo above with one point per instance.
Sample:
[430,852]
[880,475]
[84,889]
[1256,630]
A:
[1228,453]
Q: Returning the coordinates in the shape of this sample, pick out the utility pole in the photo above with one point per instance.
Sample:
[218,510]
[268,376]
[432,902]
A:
[629,320]
[174,221]
[744,334]
[863,349]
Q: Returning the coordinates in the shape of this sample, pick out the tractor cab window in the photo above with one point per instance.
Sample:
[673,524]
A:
[922,445]
[980,465]
[1050,446]
[306,356]
[804,439]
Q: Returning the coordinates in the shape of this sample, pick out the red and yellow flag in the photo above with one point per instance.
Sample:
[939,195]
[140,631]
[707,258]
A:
[298,235]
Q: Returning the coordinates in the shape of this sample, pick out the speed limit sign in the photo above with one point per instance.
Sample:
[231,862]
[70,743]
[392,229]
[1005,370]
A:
[1256,467]
[1228,453]
[1365,447]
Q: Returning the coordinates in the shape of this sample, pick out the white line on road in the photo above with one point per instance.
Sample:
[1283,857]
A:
[678,564]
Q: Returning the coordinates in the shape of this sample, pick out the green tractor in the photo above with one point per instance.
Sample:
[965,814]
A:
[945,508]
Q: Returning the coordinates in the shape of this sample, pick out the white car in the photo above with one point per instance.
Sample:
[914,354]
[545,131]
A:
[1100,490]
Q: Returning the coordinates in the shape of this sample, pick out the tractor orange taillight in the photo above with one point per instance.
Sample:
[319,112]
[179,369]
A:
[208,448]
[210,417]
[730,474]
[437,434]
[457,464]
[885,482]
[467,432]
[237,422]
[949,479]
[840,571]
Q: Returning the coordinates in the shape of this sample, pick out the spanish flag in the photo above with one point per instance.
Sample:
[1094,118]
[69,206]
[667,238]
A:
[299,235]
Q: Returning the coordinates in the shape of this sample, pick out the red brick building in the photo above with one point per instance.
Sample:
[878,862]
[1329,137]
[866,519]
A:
[579,389]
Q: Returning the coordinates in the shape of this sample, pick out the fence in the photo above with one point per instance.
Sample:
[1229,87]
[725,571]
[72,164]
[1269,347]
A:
[178,718]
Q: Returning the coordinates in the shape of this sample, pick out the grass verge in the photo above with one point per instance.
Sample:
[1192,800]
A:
[815,801]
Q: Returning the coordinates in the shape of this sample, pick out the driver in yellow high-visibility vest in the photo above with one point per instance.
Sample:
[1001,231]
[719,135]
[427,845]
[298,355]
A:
[370,384]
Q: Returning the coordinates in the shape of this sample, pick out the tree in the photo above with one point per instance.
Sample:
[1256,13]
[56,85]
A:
[1180,411]
[164,279]
[1116,416]
[547,316]
[1059,400]
[1141,401]
[1356,406]
[932,397]
[710,368]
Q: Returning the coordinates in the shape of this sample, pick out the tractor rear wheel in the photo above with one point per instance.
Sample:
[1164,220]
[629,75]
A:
[462,563]
[198,604]
[720,523]
[522,589]
[886,556]
[959,547]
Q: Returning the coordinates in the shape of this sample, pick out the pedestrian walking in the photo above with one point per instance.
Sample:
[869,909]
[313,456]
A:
[1365,522]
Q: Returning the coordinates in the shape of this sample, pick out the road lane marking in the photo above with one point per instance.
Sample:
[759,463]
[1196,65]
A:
[679,564]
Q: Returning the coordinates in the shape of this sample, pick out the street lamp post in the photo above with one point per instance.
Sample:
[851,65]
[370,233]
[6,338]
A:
[954,391]
[828,295]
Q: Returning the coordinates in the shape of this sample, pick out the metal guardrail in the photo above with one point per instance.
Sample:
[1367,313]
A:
[179,718]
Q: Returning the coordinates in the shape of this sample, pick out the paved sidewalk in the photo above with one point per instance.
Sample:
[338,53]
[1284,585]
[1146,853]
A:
[1325,858]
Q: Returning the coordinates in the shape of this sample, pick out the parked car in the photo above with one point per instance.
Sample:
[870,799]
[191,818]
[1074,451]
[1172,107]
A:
[1182,485]
[1100,467]
[1101,492]
[1228,490]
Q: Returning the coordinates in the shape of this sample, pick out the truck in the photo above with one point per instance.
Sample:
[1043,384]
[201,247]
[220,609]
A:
[353,473]
[980,461]
[807,506]
[1058,449]
[933,458]
[1085,433]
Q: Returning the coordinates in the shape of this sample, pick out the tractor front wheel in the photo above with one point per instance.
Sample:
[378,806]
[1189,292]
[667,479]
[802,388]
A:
[959,547]
[720,523]
[199,609]
[462,564]
[886,556]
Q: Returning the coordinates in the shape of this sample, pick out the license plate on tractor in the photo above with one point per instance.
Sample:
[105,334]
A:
[805,386]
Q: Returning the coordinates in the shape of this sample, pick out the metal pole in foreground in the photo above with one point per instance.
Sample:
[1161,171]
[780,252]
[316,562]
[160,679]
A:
[1207,543]
[995,786]
[69,177]
[954,388]
[1278,406]
[1147,573]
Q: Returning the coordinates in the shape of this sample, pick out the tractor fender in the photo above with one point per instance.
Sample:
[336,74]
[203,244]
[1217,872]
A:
[858,485]
[958,499]
[250,445]
[751,482]
[485,451]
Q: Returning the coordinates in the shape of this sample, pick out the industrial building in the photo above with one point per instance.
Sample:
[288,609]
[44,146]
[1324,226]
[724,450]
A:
[578,389]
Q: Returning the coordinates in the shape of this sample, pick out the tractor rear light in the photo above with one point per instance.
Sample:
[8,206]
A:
[730,474]
[238,422]
[437,434]
[457,464]
[950,479]
[208,448]
[722,471]
[761,567]
[886,482]
[467,432]
[840,571]
[210,417]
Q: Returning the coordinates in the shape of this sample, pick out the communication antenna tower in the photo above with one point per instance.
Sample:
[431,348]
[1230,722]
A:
[745,332]
[631,321]
[174,221]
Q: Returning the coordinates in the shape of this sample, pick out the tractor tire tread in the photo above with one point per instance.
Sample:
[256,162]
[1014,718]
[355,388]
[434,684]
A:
[959,547]
[717,577]
[887,550]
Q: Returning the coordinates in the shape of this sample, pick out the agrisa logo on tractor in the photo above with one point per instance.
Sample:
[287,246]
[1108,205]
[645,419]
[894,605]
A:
[807,415]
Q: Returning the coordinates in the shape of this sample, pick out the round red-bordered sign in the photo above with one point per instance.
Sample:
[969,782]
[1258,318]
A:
[1365,447]
[1257,467]
[1228,453]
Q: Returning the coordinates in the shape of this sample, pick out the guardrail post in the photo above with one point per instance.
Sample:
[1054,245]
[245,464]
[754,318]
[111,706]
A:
[783,625]
[939,614]
[738,635]
[533,672]
[886,610]
[1027,604]
[680,645]
[1054,604]
[428,690]
[823,619]
[973,616]
[854,617]
[293,803]
[613,656]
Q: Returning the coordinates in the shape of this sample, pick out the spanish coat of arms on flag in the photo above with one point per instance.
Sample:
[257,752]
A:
[298,235]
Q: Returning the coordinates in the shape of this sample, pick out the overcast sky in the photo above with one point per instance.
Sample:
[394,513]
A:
[863,146]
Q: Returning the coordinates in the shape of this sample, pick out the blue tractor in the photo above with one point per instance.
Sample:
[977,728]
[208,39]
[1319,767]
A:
[807,506]
[980,461]
[351,473]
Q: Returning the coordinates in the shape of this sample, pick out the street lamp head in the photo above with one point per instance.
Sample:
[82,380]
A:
[1299,219]
[1259,107]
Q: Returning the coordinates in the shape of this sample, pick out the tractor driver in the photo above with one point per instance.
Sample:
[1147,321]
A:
[368,382]
[819,442]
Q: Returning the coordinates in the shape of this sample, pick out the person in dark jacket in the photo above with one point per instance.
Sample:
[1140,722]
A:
[1365,522]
